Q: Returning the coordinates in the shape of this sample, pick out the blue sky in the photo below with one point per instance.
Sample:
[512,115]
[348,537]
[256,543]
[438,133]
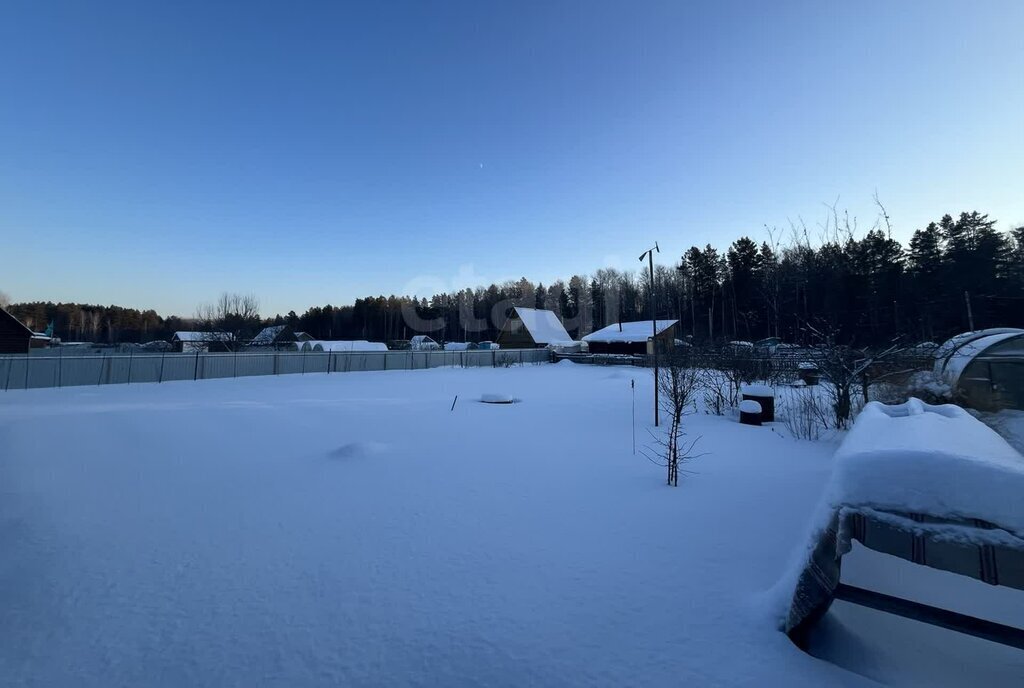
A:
[155,154]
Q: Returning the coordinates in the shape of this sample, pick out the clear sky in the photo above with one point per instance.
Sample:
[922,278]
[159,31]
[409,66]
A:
[155,154]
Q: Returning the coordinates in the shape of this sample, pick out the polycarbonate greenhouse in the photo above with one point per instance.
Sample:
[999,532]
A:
[985,368]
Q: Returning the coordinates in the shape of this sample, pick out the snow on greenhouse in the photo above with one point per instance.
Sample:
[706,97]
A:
[985,368]
[355,345]
[935,460]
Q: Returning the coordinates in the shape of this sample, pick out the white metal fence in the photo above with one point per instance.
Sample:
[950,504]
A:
[33,372]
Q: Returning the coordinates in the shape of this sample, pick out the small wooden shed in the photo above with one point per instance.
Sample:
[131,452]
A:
[633,337]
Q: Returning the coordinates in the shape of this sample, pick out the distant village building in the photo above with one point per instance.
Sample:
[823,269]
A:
[531,328]
[360,345]
[303,337]
[276,337]
[633,337]
[191,342]
[422,342]
[985,368]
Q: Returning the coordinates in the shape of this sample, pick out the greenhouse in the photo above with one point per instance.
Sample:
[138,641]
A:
[985,368]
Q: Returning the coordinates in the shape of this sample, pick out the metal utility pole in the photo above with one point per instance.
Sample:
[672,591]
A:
[649,254]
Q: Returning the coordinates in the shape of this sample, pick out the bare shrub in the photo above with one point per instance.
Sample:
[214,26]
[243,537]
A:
[805,412]
[737,368]
[715,391]
[844,367]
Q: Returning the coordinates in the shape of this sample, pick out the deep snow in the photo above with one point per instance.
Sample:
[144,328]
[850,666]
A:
[353,530]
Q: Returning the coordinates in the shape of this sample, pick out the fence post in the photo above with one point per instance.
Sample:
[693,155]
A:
[7,383]
[303,362]
[28,359]
[494,358]
[162,357]
[195,373]
[234,364]
[60,369]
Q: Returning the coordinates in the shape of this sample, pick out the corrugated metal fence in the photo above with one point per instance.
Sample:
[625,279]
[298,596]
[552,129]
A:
[32,372]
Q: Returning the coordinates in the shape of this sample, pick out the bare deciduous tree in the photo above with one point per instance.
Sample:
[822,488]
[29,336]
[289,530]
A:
[677,383]
[234,313]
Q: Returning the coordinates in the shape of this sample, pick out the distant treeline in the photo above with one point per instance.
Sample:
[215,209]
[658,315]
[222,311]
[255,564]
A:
[869,290]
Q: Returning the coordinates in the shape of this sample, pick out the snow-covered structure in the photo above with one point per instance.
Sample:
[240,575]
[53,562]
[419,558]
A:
[343,346]
[530,328]
[422,342]
[277,336]
[935,460]
[984,368]
[929,484]
[191,342]
[632,337]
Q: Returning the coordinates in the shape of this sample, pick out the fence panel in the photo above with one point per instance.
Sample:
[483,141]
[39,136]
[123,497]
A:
[38,371]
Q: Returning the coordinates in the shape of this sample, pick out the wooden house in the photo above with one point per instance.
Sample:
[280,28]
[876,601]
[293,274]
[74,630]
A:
[531,328]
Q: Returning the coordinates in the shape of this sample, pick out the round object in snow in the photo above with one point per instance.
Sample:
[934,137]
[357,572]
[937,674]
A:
[763,395]
[496,399]
[750,406]
[750,412]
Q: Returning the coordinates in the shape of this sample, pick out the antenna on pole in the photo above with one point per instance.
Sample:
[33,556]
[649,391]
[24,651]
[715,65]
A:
[649,255]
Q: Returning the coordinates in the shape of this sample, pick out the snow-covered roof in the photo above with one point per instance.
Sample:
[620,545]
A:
[639,331]
[544,326]
[958,357]
[934,460]
[953,343]
[420,338]
[268,334]
[353,345]
[183,336]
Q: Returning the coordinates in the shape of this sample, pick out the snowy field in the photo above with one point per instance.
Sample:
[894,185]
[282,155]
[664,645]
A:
[354,530]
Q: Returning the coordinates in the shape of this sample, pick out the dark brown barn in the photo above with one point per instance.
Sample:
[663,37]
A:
[15,338]
[632,338]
